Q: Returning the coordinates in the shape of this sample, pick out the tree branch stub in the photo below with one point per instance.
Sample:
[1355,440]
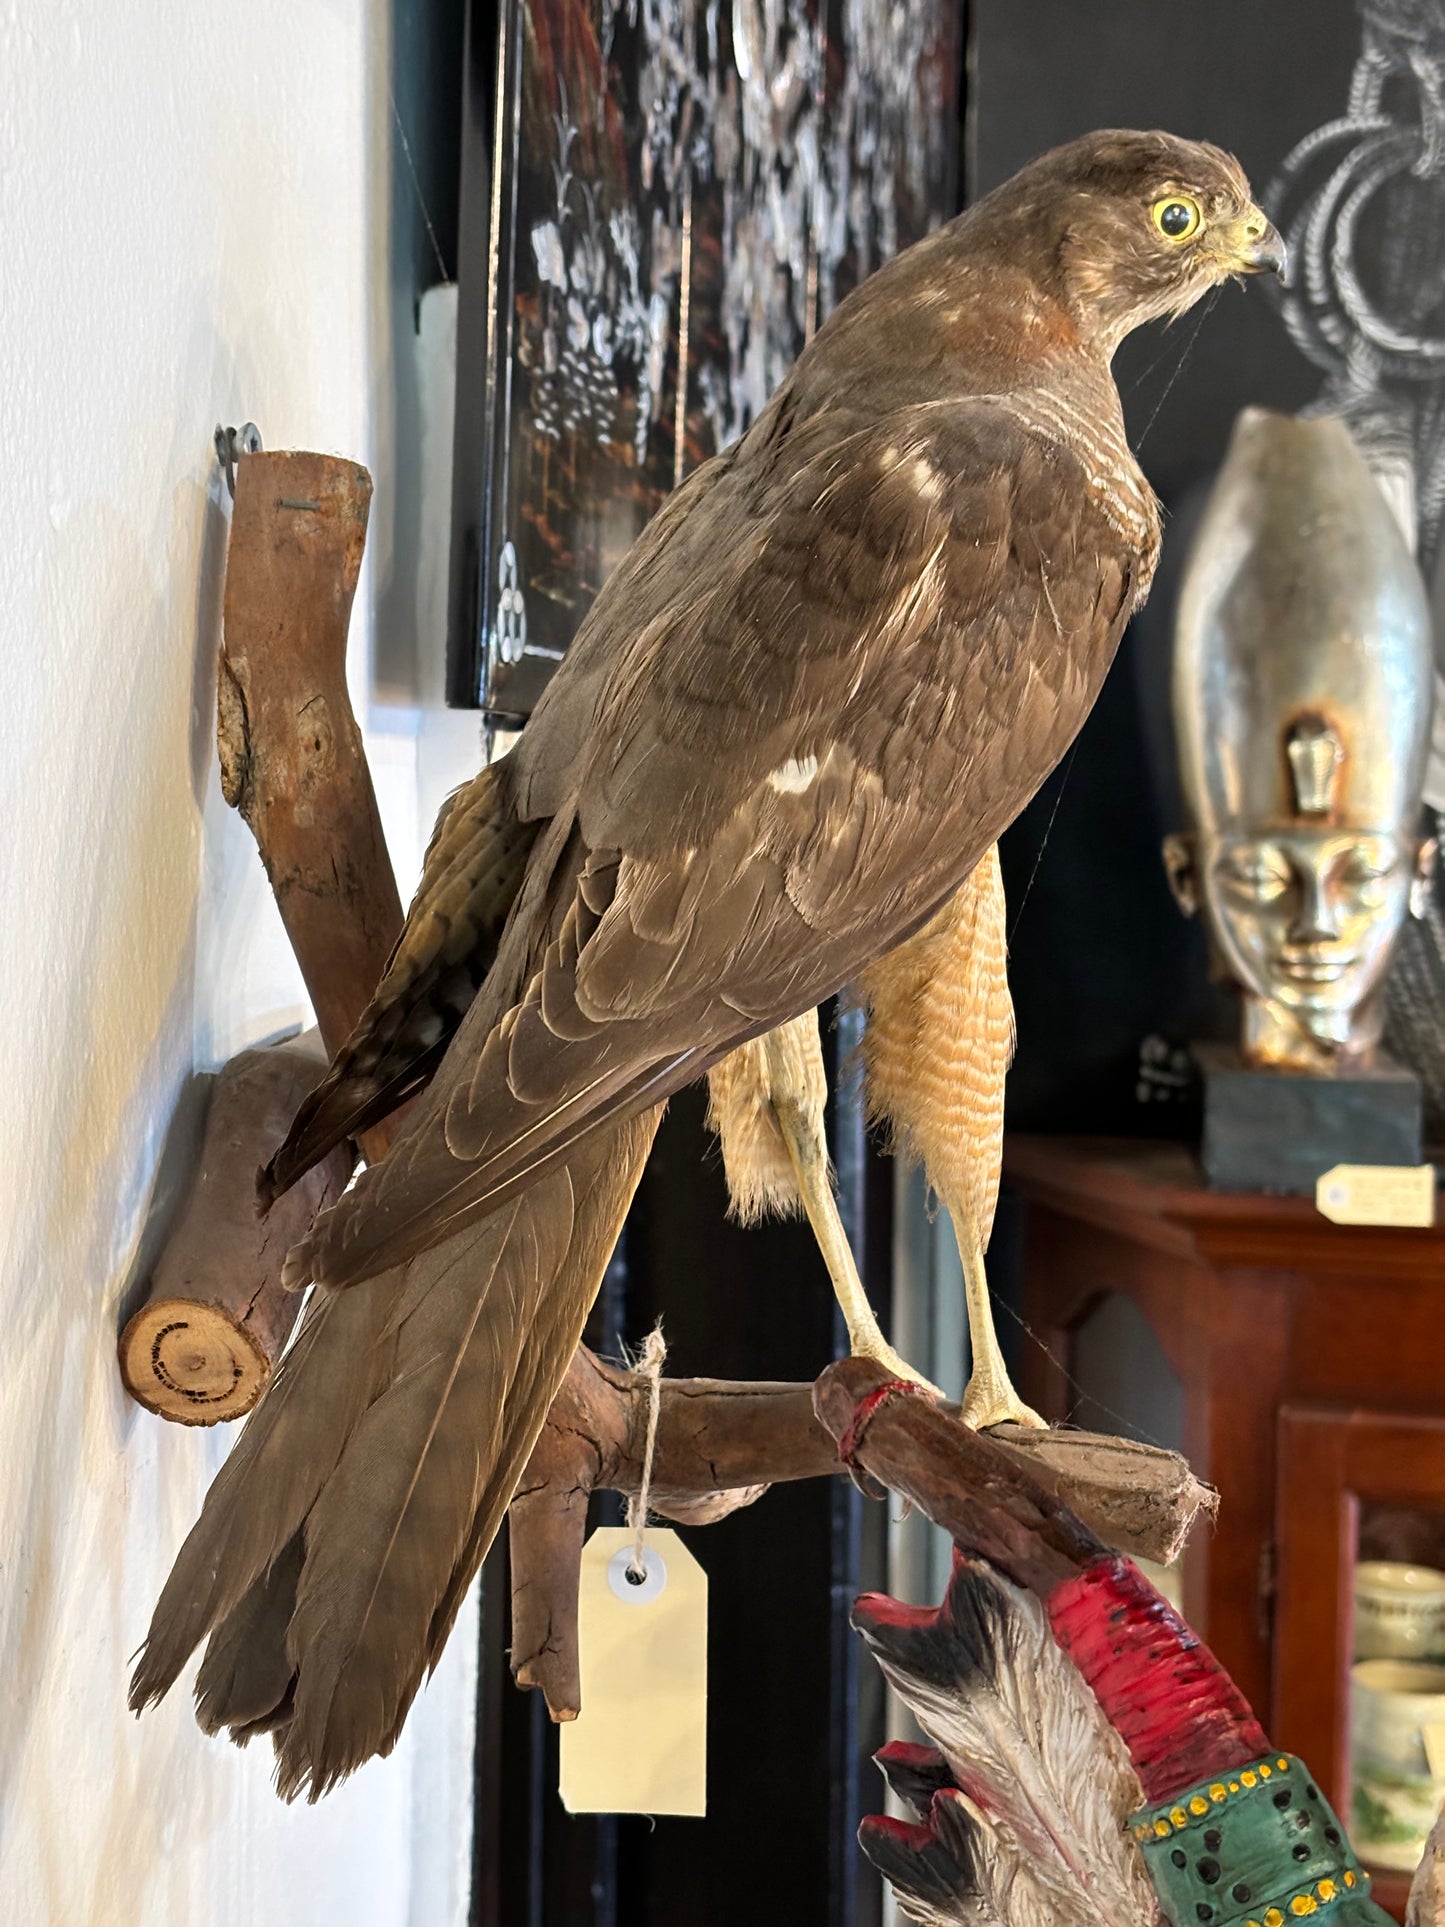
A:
[203,1346]
[721,1443]
[292,760]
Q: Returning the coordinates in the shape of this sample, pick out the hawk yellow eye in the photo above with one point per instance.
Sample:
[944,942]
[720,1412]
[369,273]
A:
[1177,217]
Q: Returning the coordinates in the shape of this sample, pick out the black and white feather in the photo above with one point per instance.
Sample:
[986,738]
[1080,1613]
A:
[1023,1797]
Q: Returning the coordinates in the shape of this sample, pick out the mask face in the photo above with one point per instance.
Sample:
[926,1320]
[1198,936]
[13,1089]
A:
[1306,917]
[1303,690]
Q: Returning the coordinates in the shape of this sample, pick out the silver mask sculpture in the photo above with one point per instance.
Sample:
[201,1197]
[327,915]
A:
[1303,692]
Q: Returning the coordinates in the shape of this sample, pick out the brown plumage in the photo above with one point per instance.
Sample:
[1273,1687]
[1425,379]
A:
[831,670]
[471,873]
[338,1539]
[836,664]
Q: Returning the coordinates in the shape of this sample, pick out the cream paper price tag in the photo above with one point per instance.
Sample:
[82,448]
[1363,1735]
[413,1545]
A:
[639,1745]
[1397,1194]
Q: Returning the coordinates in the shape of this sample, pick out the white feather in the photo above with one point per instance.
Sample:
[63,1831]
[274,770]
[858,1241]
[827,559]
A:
[1037,1826]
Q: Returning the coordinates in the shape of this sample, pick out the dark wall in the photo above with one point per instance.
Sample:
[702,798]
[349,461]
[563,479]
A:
[1251,75]
[1100,957]
[423,160]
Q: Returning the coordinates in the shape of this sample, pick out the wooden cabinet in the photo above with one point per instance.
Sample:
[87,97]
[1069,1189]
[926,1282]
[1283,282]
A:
[1311,1359]
[1347,1475]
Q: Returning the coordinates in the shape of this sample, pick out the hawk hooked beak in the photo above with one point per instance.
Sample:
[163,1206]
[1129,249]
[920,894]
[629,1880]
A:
[1252,244]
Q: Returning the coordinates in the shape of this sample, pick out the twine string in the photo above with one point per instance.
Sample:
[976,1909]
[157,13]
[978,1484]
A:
[649,1366]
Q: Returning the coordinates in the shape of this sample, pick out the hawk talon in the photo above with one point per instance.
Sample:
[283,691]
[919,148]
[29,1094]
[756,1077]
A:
[882,1353]
[988,1402]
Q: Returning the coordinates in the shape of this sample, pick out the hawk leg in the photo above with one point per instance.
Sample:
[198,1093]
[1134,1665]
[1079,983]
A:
[796,1099]
[937,1048]
[989,1397]
[767,1103]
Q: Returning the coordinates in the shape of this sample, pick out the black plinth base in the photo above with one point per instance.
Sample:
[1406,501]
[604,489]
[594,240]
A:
[1267,1130]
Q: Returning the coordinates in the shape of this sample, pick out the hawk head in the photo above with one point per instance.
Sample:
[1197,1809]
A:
[1129,226]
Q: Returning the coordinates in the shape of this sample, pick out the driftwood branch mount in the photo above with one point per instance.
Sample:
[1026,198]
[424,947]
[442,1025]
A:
[203,1346]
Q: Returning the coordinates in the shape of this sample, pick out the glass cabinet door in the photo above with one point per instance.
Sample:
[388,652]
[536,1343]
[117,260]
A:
[1397,1681]
[1360,1623]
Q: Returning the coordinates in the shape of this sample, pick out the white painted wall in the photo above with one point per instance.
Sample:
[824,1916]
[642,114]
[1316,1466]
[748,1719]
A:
[192,228]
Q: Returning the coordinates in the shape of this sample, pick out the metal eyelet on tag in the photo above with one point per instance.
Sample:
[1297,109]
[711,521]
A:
[637,1589]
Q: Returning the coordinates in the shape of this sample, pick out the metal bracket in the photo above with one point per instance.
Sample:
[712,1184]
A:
[231,445]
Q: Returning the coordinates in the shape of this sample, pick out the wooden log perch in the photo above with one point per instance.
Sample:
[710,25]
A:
[721,1444]
[1013,1509]
[292,762]
[202,1347]
[1142,1500]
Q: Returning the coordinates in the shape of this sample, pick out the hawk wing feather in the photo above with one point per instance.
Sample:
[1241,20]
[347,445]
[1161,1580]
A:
[322,1636]
[472,872]
[862,640]
[245,1679]
[413,1468]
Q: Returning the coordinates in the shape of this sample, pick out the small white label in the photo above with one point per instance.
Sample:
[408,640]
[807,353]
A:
[639,1745]
[1383,1194]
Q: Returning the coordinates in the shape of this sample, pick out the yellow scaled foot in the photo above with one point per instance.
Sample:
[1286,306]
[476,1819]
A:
[989,1399]
[870,1343]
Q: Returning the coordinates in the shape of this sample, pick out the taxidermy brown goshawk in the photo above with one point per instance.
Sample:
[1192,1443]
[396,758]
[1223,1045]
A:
[828,674]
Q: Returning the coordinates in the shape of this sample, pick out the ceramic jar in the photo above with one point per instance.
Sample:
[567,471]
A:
[1399,1611]
[1397,1725]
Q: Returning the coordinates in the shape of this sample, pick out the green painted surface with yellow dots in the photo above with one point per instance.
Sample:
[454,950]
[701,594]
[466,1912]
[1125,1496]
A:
[1260,1847]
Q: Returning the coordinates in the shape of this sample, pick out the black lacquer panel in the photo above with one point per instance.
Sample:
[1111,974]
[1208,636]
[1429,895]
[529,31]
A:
[678,192]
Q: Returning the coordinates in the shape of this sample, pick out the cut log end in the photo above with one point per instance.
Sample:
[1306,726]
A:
[217,1318]
[195,1364]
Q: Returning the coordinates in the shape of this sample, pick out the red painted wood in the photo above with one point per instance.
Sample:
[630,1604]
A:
[1181,1716]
